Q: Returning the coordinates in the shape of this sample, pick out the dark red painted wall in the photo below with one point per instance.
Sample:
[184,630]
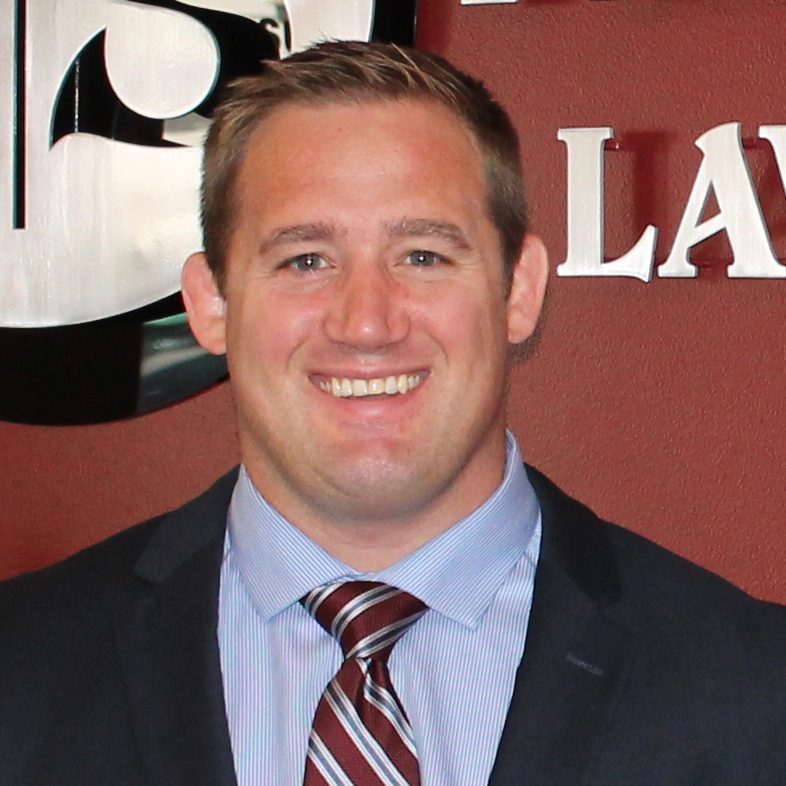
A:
[663,405]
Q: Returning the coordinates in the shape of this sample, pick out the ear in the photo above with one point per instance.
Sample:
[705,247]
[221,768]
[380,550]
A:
[527,289]
[205,305]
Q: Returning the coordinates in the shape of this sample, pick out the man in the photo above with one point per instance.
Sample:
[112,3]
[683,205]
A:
[367,267]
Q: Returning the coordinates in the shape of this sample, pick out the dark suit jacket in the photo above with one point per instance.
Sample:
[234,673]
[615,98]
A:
[639,668]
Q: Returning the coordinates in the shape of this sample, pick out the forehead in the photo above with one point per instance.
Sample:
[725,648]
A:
[367,144]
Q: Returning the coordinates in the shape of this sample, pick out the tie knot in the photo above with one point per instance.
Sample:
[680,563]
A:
[366,617]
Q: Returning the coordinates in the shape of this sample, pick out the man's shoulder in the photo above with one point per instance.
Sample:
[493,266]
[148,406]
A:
[89,580]
[664,591]
[644,585]
[96,567]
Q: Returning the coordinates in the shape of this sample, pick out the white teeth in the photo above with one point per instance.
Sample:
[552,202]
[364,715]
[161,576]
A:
[358,388]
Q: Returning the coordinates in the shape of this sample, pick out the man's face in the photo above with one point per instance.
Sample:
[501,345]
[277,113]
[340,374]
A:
[365,318]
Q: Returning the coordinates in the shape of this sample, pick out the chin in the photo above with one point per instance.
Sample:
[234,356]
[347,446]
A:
[378,488]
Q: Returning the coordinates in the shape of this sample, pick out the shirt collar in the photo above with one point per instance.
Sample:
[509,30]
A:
[279,564]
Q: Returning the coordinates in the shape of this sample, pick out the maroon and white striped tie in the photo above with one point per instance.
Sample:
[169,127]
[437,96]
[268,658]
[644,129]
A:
[361,735]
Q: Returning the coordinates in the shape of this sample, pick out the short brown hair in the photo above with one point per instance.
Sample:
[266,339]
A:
[338,71]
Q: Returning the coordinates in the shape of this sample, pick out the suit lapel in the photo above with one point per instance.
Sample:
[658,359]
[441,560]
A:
[168,649]
[576,656]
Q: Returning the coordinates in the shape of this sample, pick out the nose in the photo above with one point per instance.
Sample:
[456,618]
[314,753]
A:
[367,309]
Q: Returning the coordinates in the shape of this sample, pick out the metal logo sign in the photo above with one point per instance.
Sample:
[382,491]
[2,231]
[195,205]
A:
[103,108]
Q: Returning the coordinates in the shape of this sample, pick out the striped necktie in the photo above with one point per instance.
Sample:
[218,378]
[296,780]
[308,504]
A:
[361,735]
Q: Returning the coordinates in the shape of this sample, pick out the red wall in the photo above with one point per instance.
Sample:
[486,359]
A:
[662,405]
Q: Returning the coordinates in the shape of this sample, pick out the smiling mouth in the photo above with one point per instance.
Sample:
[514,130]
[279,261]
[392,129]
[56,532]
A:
[396,384]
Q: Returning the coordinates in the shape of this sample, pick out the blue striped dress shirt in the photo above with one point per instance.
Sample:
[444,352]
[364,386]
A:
[454,670]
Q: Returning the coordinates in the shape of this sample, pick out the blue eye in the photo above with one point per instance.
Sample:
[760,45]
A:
[306,263]
[424,258]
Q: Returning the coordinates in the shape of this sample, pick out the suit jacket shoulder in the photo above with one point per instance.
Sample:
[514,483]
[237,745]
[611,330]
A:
[93,577]
[645,586]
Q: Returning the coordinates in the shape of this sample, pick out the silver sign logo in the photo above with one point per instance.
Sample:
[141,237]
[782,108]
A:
[103,110]
[91,224]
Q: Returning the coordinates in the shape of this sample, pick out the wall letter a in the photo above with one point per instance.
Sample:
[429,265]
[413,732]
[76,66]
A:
[724,170]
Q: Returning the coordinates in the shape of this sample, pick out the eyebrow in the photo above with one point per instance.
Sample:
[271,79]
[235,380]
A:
[305,233]
[403,227]
[424,227]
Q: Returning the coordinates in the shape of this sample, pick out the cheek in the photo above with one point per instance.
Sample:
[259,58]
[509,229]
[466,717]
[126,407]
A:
[468,320]
[267,331]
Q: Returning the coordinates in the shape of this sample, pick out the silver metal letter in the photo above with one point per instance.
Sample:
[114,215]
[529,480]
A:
[725,171]
[586,213]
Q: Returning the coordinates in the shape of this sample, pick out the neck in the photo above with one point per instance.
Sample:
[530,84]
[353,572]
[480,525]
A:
[371,535]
